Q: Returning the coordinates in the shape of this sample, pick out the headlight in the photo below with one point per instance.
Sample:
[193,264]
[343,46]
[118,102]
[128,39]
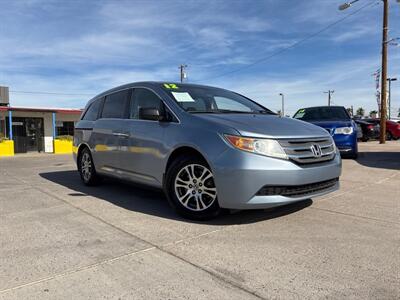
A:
[260,146]
[344,130]
[335,149]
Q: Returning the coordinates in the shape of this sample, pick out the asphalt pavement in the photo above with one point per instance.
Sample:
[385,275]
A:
[62,240]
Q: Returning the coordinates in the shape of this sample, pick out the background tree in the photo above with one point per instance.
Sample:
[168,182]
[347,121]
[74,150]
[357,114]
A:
[398,115]
[373,113]
[360,111]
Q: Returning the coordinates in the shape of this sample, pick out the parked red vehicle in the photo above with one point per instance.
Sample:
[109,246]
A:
[392,128]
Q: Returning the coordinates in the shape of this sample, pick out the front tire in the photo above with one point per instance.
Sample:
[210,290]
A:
[389,136]
[87,169]
[354,155]
[191,190]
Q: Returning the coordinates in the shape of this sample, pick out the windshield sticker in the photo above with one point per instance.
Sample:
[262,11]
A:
[170,86]
[300,114]
[183,97]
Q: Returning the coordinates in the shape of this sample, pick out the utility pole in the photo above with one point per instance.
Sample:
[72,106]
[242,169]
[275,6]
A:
[183,73]
[390,94]
[382,138]
[283,104]
[329,92]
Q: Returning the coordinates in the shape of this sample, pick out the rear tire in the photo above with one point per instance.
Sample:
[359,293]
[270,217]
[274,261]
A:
[191,190]
[389,136]
[86,168]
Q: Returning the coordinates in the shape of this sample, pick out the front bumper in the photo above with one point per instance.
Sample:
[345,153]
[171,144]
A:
[239,177]
[346,143]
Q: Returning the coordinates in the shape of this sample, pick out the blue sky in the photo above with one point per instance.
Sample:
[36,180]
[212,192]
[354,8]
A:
[85,47]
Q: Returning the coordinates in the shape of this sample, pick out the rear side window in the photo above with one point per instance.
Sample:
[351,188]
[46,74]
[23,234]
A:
[114,105]
[93,111]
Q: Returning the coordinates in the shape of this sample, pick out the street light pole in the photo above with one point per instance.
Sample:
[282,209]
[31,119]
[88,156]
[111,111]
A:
[347,5]
[390,94]
[283,104]
[382,138]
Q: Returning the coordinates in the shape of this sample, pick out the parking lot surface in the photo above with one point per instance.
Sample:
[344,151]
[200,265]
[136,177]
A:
[62,240]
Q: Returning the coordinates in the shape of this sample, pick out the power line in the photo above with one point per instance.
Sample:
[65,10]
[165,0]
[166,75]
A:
[295,44]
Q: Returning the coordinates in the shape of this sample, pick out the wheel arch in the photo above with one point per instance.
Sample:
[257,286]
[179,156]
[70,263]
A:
[79,152]
[183,150]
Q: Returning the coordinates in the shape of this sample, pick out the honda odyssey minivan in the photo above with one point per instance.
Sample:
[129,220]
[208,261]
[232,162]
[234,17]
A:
[208,148]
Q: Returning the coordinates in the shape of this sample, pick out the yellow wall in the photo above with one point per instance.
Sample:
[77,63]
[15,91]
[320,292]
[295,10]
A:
[62,146]
[6,148]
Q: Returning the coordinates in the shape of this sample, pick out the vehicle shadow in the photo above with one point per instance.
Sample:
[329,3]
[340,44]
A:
[153,201]
[382,160]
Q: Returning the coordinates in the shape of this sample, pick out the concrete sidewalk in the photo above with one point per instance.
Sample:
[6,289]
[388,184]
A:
[62,240]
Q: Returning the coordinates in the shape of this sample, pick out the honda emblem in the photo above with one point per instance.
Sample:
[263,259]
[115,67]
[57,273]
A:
[316,150]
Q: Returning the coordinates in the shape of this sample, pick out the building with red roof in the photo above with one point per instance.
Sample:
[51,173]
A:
[34,129]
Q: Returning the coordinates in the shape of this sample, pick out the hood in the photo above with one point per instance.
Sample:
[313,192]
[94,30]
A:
[332,124]
[362,122]
[265,126]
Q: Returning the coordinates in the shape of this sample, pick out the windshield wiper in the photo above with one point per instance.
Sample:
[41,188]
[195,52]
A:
[265,111]
[220,111]
[247,112]
[203,111]
[228,111]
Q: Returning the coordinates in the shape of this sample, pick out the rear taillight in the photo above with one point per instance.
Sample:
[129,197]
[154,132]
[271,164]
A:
[370,127]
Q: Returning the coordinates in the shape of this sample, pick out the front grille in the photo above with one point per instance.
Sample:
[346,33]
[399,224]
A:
[297,190]
[301,152]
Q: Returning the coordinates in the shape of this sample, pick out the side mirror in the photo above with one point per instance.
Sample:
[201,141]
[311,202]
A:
[151,113]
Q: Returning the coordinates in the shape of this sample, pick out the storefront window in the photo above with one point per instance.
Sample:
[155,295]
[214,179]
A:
[65,128]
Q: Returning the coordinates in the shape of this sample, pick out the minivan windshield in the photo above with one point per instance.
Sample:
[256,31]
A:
[200,99]
[322,114]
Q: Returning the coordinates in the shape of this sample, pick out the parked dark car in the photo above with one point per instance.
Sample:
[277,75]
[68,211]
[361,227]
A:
[368,130]
[336,120]
[392,128]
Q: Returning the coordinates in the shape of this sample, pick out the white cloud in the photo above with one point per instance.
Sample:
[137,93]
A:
[357,32]
[351,80]
[65,47]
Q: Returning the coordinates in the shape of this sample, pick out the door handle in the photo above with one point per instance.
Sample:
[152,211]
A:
[120,134]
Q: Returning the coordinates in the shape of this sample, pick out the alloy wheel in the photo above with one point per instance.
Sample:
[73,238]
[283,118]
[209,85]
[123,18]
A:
[195,187]
[86,166]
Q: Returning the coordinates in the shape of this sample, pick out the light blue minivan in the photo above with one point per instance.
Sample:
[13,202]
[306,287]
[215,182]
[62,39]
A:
[208,148]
